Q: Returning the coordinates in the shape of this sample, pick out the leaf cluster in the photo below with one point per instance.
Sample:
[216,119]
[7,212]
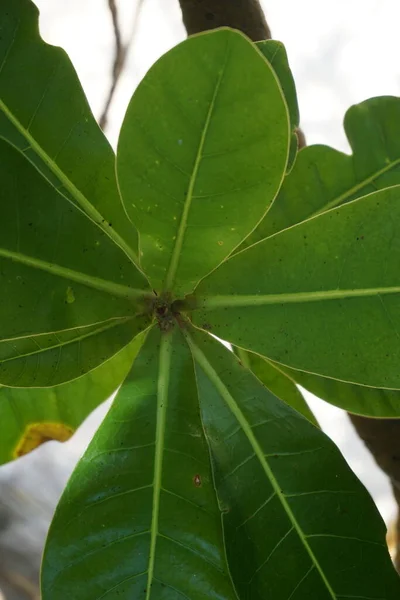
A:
[209,477]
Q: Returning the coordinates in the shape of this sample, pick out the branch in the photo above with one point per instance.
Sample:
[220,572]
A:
[120,53]
[245,15]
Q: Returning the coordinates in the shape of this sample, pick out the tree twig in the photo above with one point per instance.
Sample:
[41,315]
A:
[120,54]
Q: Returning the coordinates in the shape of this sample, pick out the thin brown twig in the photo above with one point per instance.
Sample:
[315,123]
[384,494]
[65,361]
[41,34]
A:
[120,54]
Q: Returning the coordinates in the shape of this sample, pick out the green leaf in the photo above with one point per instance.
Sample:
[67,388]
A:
[323,178]
[211,135]
[327,299]
[73,298]
[280,382]
[297,522]
[31,417]
[139,518]
[275,53]
[372,128]
[44,113]
[357,399]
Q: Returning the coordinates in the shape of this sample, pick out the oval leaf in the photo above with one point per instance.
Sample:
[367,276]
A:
[327,300]
[211,135]
[139,518]
[298,524]
[73,298]
[44,113]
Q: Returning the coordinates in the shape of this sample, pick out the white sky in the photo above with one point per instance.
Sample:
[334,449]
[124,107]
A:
[341,52]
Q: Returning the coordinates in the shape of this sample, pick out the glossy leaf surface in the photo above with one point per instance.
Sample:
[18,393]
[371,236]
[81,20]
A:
[275,53]
[139,519]
[44,112]
[280,382]
[31,417]
[327,299]
[324,178]
[72,296]
[211,135]
[297,522]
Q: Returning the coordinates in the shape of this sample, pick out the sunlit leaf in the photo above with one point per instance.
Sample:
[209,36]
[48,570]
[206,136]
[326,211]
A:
[326,300]
[201,155]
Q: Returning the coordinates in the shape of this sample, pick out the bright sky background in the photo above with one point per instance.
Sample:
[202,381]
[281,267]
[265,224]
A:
[341,52]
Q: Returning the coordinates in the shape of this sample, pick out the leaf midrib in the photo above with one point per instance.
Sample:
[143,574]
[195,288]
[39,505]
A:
[343,197]
[237,300]
[90,211]
[246,427]
[162,407]
[177,250]
[97,283]
[103,326]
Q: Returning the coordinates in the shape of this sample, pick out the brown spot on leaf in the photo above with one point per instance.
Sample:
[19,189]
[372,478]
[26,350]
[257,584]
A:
[36,434]
[197,480]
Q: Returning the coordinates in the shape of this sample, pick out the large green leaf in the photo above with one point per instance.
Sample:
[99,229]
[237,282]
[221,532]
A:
[139,518]
[44,112]
[280,382]
[275,53]
[30,417]
[373,130]
[297,522]
[323,178]
[71,297]
[327,298]
[201,155]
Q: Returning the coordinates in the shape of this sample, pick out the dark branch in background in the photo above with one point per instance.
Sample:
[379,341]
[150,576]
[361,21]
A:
[120,53]
[382,436]
[246,15]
